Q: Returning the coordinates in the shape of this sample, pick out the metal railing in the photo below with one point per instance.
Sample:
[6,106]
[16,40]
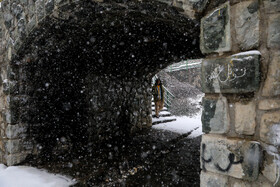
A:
[168,96]
[183,65]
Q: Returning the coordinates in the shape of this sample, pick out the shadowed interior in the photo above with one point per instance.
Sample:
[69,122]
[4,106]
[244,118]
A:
[86,78]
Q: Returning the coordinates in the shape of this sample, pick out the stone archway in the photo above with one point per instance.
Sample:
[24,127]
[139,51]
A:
[247,117]
[83,72]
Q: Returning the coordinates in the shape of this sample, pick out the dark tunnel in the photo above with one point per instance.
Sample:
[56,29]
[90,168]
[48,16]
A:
[87,78]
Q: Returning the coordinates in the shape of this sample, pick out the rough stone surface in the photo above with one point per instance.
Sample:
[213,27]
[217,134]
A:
[272,165]
[272,6]
[273,39]
[239,183]
[209,179]
[247,24]
[270,128]
[234,157]
[13,159]
[189,7]
[126,105]
[215,116]
[169,2]
[52,91]
[235,74]
[245,118]
[269,104]
[96,102]
[214,4]
[15,131]
[199,5]
[272,82]
[13,146]
[215,31]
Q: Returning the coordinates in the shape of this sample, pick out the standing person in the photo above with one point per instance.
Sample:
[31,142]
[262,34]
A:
[158,93]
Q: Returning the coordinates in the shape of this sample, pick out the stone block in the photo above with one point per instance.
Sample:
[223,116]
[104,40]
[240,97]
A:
[9,116]
[233,157]
[245,118]
[2,147]
[247,24]
[234,74]
[215,30]
[13,159]
[215,116]
[271,164]
[269,104]
[240,183]
[61,2]
[189,5]
[208,179]
[213,4]
[40,9]
[49,6]
[15,131]
[178,3]
[273,39]
[198,5]
[13,146]
[9,86]
[272,6]
[270,128]
[272,82]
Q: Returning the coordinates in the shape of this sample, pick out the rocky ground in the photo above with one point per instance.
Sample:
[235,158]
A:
[151,158]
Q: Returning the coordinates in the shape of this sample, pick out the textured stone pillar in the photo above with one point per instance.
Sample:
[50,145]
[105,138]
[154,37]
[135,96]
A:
[240,77]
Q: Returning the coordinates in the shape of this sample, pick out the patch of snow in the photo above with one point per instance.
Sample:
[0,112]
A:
[163,118]
[183,124]
[196,100]
[255,142]
[23,176]
[186,64]
[253,52]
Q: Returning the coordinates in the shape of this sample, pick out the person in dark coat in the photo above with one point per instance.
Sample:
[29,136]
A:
[158,93]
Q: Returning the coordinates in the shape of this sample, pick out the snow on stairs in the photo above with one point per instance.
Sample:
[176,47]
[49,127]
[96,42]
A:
[164,116]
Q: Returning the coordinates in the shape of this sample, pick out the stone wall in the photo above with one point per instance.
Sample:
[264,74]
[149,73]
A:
[240,76]
[241,106]
[118,106]
[75,72]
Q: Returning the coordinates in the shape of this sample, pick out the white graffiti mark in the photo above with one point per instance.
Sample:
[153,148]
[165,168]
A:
[226,73]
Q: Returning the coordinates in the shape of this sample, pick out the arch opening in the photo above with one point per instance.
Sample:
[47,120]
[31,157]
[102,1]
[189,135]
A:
[86,78]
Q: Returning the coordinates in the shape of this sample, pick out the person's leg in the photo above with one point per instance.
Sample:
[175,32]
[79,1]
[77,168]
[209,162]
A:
[161,105]
[157,108]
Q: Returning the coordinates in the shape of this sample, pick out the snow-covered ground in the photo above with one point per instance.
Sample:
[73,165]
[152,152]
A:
[183,124]
[23,176]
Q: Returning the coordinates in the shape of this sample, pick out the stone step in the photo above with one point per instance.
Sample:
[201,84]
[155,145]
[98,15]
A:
[163,120]
[162,115]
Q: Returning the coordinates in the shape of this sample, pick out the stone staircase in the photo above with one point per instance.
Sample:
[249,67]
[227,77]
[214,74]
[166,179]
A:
[164,116]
